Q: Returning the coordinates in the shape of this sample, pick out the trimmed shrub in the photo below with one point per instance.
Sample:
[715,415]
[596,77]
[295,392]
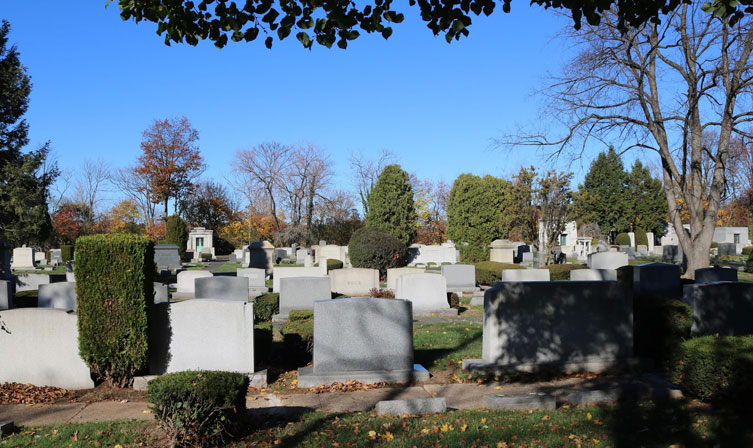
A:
[747,250]
[488,272]
[392,207]
[66,252]
[660,325]
[372,248]
[266,306]
[198,408]
[176,232]
[641,239]
[562,271]
[381,293]
[332,264]
[716,368]
[623,239]
[298,337]
[114,274]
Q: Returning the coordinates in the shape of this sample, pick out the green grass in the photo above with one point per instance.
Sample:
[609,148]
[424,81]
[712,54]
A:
[26,299]
[126,433]
[442,346]
[59,269]
[230,267]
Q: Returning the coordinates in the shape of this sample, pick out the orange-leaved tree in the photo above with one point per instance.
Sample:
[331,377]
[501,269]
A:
[171,158]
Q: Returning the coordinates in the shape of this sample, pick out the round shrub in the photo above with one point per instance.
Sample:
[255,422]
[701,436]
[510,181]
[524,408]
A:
[488,272]
[198,408]
[747,250]
[623,239]
[641,239]
[333,263]
[374,249]
[714,244]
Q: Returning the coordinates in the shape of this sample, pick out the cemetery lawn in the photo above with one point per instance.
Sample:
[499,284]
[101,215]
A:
[59,269]
[230,267]
[675,424]
[441,347]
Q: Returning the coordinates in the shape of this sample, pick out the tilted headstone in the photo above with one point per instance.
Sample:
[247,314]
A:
[607,260]
[186,280]
[299,293]
[58,295]
[222,287]
[724,308]
[591,275]
[715,274]
[525,275]
[427,292]
[354,281]
[167,256]
[460,277]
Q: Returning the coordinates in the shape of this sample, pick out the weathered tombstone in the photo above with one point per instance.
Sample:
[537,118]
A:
[607,260]
[724,308]
[591,275]
[525,275]
[642,250]
[185,287]
[261,255]
[167,256]
[652,278]
[502,251]
[715,274]
[280,254]
[6,295]
[378,346]
[161,293]
[222,287]
[568,325]
[281,272]
[460,277]
[61,296]
[395,273]
[527,259]
[726,249]
[232,258]
[427,292]
[600,246]
[299,293]
[56,256]
[651,241]
[202,334]
[354,281]
[539,259]
[39,258]
[23,259]
[43,346]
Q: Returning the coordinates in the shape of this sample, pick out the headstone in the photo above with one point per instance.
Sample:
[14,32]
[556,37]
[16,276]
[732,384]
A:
[715,274]
[186,281]
[527,259]
[520,251]
[6,295]
[222,287]
[354,281]
[422,254]
[651,239]
[256,277]
[652,278]
[308,261]
[417,406]
[502,251]
[539,260]
[56,256]
[520,402]
[32,282]
[281,272]
[642,250]
[161,293]
[39,258]
[530,324]
[299,293]
[166,256]
[460,277]
[591,275]
[322,243]
[261,255]
[600,246]
[525,275]
[632,238]
[395,273]
[607,260]
[726,249]
[280,254]
[61,296]
[724,308]
[231,258]
[300,256]
[23,259]
[672,253]
[427,292]
[632,254]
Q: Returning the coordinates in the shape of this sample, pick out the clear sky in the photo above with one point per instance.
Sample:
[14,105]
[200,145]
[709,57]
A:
[100,81]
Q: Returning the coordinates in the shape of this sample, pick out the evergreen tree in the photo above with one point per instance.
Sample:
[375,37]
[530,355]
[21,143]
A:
[649,203]
[473,214]
[392,208]
[176,232]
[25,178]
[520,221]
[604,197]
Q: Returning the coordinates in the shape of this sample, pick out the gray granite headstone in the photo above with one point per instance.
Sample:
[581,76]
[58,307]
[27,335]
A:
[652,278]
[727,249]
[166,256]
[58,295]
[672,253]
[460,277]
[725,308]
[256,276]
[221,287]
[359,333]
[6,295]
[299,293]
[161,293]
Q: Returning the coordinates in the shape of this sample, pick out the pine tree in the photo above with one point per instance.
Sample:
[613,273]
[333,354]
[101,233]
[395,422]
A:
[391,205]
[176,232]
[24,177]
[473,214]
[649,203]
[604,198]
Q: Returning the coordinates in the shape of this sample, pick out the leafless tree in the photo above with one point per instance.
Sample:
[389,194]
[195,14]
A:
[136,187]
[366,171]
[91,180]
[659,87]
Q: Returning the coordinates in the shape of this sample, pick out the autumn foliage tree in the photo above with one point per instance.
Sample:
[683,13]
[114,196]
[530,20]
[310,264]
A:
[170,158]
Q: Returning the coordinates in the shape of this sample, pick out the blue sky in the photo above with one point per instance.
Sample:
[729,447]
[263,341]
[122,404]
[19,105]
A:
[99,82]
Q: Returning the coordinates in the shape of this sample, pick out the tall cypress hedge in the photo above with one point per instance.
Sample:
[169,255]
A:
[114,274]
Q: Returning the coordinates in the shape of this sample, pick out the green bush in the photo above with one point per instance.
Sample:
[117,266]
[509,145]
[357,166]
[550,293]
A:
[453,299]
[372,248]
[176,232]
[66,252]
[298,337]
[747,250]
[333,264]
[623,239]
[749,263]
[714,244]
[562,271]
[716,368]
[198,408]
[660,325]
[641,239]
[114,274]
[488,272]
[392,206]
[266,306]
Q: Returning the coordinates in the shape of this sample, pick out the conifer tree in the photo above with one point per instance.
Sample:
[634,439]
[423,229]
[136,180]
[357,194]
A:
[392,207]
[604,198]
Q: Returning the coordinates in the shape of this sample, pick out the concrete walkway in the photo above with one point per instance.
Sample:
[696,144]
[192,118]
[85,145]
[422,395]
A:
[458,396]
